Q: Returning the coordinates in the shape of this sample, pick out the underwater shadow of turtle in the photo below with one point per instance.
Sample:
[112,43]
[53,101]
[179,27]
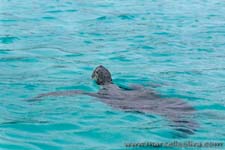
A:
[137,99]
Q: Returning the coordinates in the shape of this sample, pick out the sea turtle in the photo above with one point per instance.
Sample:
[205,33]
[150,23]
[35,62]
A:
[137,99]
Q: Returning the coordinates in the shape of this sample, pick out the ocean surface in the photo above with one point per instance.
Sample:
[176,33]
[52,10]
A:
[176,47]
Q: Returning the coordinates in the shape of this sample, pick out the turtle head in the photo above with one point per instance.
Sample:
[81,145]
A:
[101,75]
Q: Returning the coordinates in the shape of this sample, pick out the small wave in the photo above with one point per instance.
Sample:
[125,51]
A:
[8,39]
[126,17]
[61,11]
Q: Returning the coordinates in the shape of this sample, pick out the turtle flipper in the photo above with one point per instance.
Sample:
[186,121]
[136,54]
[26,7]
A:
[61,93]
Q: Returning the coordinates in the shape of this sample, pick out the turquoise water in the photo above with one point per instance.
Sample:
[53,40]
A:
[54,45]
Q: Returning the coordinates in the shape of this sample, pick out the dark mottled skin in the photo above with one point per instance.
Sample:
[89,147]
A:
[137,99]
